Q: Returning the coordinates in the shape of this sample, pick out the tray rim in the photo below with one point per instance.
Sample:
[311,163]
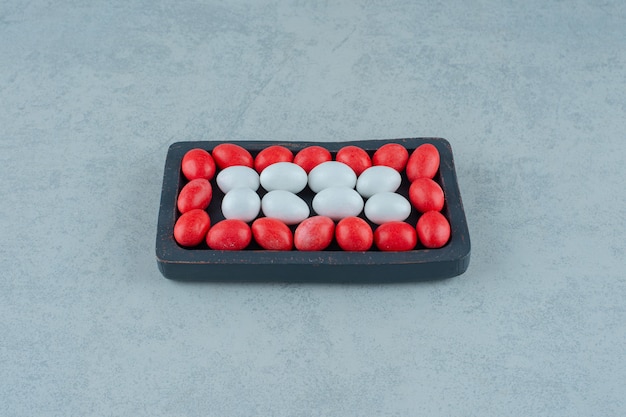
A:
[169,254]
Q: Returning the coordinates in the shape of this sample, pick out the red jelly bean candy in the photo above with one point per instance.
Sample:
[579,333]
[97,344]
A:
[354,234]
[196,194]
[433,229]
[191,228]
[271,155]
[198,163]
[392,155]
[229,234]
[229,154]
[272,234]
[355,157]
[426,195]
[423,162]
[314,233]
[311,156]
[395,236]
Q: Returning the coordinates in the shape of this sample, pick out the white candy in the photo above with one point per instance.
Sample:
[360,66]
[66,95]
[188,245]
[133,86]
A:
[241,204]
[237,176]
[331,174]
[387,207]
[338,202]
[378,179]
[284,176]
[284,205]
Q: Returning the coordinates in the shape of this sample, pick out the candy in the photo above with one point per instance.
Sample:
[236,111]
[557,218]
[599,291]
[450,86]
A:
[237,176]
[354,234]
[229,234]
[355,157]
[423,162]
[285,206]
[196,194]
[271,155]
[191,227]
[311,156]
[198,163]
[392,155]
[378,179]
[426,195]
[272,234]
[395,236]
[433,229]
[331,174]
[242,204]
[284,176]
[314,234]
[338,202]
[229,154]
[387,207]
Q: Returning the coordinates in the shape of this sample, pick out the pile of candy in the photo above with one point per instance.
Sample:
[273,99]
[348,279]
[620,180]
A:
[348,190]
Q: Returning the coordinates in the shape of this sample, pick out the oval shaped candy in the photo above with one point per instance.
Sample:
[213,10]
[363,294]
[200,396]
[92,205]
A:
[355,157]
[387,207]
[426,195]
[395,236]
[229,154]
[378,179]
[338,203]
[196,194]
[237,177]
[284,206]
[423,162]
[191,227]
[331,174]
[314,234]
[433,229]
[229,234]
[284,176]
[392,155]
[271,155]
[311,156]
[198,163]
[354,234]
[242,204]
[272,234]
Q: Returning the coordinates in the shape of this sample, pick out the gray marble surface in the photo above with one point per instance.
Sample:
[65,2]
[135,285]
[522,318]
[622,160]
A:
[532,97]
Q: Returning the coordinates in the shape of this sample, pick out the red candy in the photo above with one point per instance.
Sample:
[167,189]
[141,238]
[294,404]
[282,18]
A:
[229,154]
[433,229]
[314,233]
[426,195]
[191,228]
[354,234]
[423,162]
[271,155]
[229,234]
[392,155]
[395,236]
[355,157]
[311,156]
[272,234]
[196,194]
[198,163]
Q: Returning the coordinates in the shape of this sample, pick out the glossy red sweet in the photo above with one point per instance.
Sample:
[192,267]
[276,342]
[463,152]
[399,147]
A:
[354,234]
[392,155]
[433,229]
[426,195]
[191,228]
[272,234]
[423,162]
[271,155]
[311,156]
[229,154]
[198,163]
[314,233]
[395,236]
[229,234]
[196,194]
[355,157]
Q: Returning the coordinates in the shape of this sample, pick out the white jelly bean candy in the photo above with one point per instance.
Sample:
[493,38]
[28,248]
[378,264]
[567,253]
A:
[331,174]
[338,203]
[237,176]
[387,207]
[378,179]
[284,176]
[241,204]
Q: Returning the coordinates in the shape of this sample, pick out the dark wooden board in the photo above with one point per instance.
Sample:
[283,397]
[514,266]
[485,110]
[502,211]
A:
[331,265]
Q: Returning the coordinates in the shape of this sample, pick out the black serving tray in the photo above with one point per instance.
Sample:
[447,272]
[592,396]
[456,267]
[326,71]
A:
[331,265]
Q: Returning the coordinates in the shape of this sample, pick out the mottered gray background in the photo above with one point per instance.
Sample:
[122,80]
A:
[531,96]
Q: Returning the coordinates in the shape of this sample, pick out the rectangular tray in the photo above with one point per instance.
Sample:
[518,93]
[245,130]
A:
[331,265]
